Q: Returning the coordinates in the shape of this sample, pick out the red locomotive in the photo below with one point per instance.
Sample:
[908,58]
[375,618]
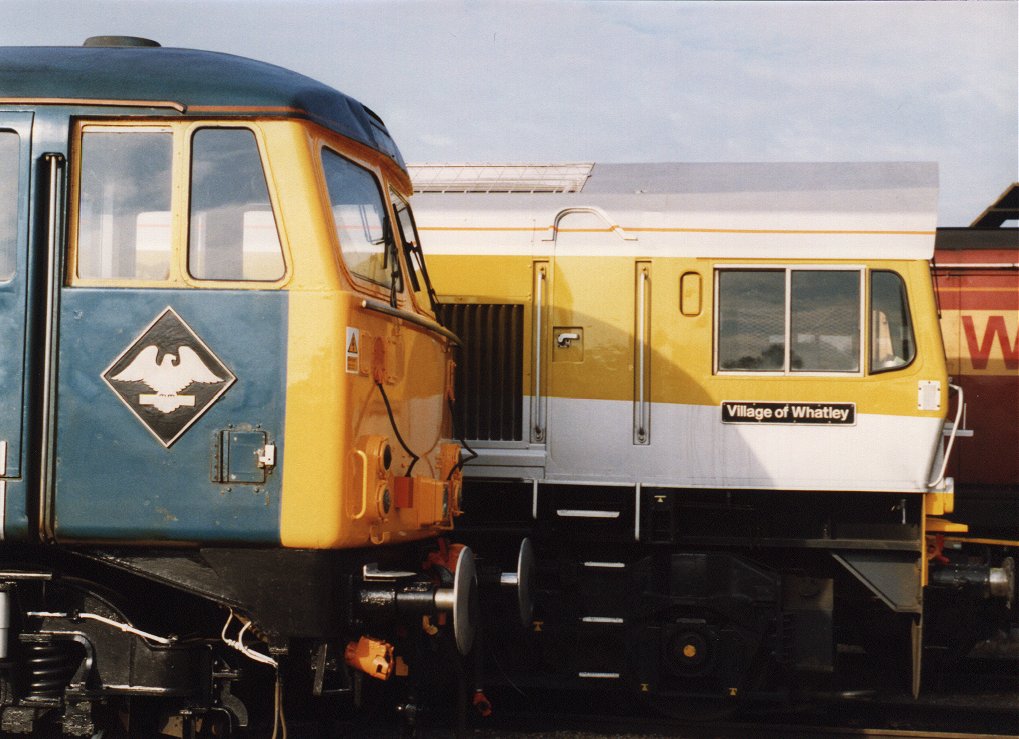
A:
[977,278]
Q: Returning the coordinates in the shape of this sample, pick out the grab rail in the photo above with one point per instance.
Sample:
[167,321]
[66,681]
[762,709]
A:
[640,430]
[951,439]
[364,485]
[52,285]
[537,414]
[379,307]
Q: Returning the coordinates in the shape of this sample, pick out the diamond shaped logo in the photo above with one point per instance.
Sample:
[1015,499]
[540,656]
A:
[168,377]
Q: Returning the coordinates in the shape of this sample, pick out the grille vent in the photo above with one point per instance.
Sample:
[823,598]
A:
[489,369]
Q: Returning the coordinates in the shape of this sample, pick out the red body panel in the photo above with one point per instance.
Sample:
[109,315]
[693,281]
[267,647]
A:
[978,290]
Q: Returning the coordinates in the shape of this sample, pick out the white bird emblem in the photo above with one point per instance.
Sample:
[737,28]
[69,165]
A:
[168,377]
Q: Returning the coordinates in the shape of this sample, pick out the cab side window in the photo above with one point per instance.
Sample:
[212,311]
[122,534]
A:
[232,234]
[824,321]
[892,344]
[789,320]
[124,205]
[417,271]
[359,214]
[9,169]
[751,317]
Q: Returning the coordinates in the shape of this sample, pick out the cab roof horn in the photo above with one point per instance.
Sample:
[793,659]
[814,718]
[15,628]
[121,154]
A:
[119,41]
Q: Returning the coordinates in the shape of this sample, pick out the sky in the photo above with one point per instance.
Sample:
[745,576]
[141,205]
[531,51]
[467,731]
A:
[608,81]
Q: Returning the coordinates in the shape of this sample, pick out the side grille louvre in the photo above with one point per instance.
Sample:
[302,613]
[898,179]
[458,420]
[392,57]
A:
[489,371]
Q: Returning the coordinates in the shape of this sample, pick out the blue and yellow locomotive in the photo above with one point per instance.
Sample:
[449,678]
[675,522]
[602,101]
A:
[225,455]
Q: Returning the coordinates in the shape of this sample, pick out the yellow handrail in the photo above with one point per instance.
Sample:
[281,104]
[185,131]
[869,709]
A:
[364,484]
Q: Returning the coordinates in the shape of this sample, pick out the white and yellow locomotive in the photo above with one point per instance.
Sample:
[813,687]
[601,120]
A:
[716,398]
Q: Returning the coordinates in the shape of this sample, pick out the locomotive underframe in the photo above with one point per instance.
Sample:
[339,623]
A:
[107,637]
[704,597]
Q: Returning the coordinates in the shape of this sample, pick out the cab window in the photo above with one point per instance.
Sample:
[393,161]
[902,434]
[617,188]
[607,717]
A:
[359,215]
[232,232]
[751,320]
[892,343]
[412,250]
[124,205]
[824,321]
[789,320]
[9,170]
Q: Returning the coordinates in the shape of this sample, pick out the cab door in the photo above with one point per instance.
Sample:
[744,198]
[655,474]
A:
[599,365]
[15,158]
[171,339]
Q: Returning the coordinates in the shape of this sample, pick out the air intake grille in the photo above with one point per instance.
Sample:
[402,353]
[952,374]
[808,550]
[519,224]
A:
[489,371]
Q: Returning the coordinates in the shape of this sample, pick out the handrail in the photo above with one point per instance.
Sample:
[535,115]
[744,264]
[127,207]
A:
[641,426]
[538,421]
[379,307]
[951,439]
[364,485]
[173,104]
[52,285]
[614,227]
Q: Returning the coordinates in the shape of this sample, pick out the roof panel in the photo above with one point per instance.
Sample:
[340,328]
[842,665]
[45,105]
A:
[505,178]
[201,81]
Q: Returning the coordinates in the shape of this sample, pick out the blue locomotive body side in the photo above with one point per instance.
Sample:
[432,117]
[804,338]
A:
[15,320]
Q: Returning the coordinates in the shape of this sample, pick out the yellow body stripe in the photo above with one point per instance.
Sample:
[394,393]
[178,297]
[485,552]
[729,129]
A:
[597,295]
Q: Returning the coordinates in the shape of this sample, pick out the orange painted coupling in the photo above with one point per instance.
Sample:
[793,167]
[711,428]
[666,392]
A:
[446,556]
[371,656]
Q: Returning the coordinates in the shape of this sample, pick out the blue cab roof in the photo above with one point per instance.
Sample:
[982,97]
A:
[201,82]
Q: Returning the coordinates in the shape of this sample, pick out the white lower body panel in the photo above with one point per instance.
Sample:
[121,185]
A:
[592,441]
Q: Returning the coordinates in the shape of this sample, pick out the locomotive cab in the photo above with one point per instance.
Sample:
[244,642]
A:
[226,452]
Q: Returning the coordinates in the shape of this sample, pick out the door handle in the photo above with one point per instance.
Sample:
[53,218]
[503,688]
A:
[566,338]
